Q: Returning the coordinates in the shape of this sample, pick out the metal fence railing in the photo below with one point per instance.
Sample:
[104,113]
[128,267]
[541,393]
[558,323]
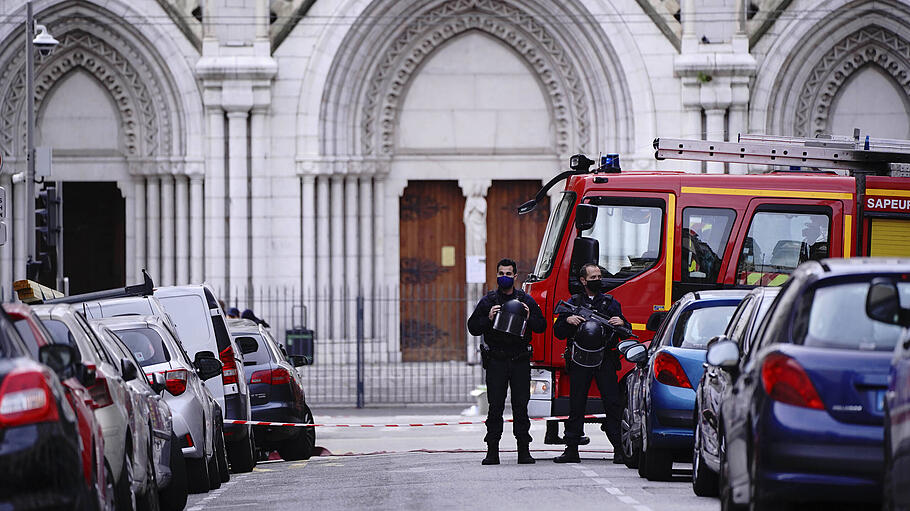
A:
[389,346]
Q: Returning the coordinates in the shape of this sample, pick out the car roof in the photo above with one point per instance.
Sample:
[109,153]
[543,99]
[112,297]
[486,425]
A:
[713,295]
[130,321]
[238,326]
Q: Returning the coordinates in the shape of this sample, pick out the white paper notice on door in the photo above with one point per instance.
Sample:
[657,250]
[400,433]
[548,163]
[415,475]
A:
[476,269]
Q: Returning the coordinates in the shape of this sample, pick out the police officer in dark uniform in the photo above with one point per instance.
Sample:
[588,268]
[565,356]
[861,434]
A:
[507,359]
[588,337]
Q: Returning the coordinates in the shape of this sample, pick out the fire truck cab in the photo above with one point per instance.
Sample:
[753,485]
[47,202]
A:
[658,235]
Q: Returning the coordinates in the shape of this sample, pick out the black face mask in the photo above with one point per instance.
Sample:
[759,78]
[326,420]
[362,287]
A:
[594,286]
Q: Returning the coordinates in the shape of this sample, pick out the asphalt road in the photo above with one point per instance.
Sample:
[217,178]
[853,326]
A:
[438,467]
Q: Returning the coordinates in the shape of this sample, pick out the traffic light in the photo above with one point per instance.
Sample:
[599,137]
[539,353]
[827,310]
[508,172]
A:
[47,216]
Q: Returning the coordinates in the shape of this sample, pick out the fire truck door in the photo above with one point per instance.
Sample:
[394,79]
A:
[778,234]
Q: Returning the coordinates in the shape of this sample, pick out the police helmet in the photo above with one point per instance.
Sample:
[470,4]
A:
[511,318]
[590,335]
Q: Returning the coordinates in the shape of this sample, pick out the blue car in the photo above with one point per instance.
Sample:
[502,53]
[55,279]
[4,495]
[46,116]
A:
[889,301]
[803,421]
[661,390]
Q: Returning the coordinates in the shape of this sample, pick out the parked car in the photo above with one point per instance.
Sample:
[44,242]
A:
[712,387]
[34,335]
[194,411]
[200,324]
[803,421]
[202,328]
[276,391]
[661,397]
[41,463]
[148,401]
[127,437]
[888,301]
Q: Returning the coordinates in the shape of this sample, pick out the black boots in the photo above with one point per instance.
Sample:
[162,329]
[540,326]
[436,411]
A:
[524,454]
[569,456]
[492,454]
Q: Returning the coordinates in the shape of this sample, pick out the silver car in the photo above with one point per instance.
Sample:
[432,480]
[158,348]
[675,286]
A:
[127,433]
[194,410]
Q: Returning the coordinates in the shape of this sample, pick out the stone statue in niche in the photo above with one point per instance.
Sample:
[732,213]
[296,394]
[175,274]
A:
[475,223]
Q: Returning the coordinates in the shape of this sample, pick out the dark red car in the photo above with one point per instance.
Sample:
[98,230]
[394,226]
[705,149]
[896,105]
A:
[77,389]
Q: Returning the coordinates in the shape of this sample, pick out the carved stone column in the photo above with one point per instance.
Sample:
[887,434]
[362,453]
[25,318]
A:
[215,210]
[475,232]
[197,242]
[182,230]
[153,223]
[238,210]
[351,270]
[365,224]
[167,230]
[323,260]
[139,236]
[336,268]
[714,125]
[308,242]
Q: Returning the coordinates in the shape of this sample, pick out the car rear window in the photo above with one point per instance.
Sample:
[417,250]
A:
[146,344]
[60,332]
[261,356]
[25,331]
[834,316]
[696,327]
[191,318]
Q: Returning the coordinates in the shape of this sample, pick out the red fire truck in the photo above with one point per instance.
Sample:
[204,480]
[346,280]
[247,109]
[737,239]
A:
[658,234]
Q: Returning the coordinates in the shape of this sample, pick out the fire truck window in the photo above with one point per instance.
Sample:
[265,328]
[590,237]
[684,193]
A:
[704,236]
[777,243]
[551,239]
[629,238]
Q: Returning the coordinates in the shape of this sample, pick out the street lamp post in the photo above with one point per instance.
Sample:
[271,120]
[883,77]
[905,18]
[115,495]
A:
[44,43]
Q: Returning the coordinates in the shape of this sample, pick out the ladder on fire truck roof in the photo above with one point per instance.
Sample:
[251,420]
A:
[868,155]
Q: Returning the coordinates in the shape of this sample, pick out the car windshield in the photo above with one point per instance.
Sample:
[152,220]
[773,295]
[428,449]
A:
[835,317]
[146,344]
[696,327]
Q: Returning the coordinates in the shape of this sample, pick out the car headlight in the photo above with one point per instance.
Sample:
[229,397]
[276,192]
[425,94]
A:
[540,388]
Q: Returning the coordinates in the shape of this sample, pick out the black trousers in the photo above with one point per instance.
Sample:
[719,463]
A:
[504,374]
[579,383]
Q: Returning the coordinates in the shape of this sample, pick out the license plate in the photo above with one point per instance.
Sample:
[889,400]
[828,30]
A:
[880,401]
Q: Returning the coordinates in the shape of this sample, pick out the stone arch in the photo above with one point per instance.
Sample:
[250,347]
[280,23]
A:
[870,45]
[580,73]
[801,74]
[140,84]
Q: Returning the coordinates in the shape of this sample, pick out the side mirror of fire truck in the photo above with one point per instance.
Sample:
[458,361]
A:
[585,216]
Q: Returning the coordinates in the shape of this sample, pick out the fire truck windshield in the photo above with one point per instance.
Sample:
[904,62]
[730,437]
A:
[551,239]
[629,239]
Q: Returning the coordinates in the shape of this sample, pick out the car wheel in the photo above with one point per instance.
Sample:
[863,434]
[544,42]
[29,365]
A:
[704,480]
[109,488]
[223,472]
[125,498]
[301,446]
[628,443]
[173,497]
[148,501]
[725,490]
[197,470]
[242,455]
[658,464]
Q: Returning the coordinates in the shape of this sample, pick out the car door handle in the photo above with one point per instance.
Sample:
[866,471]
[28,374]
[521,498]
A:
[712,375]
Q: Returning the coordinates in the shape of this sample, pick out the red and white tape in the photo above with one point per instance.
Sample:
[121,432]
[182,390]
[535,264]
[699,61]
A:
[408,425]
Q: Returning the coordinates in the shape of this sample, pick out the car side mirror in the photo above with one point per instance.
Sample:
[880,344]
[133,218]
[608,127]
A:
[655,319]
[247,345]
[883,303]
[724,354]
[158,383]
[716,339]
[207,365]
[637,354]
[62,358]
[624,346]
[299,360]
[128,369]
